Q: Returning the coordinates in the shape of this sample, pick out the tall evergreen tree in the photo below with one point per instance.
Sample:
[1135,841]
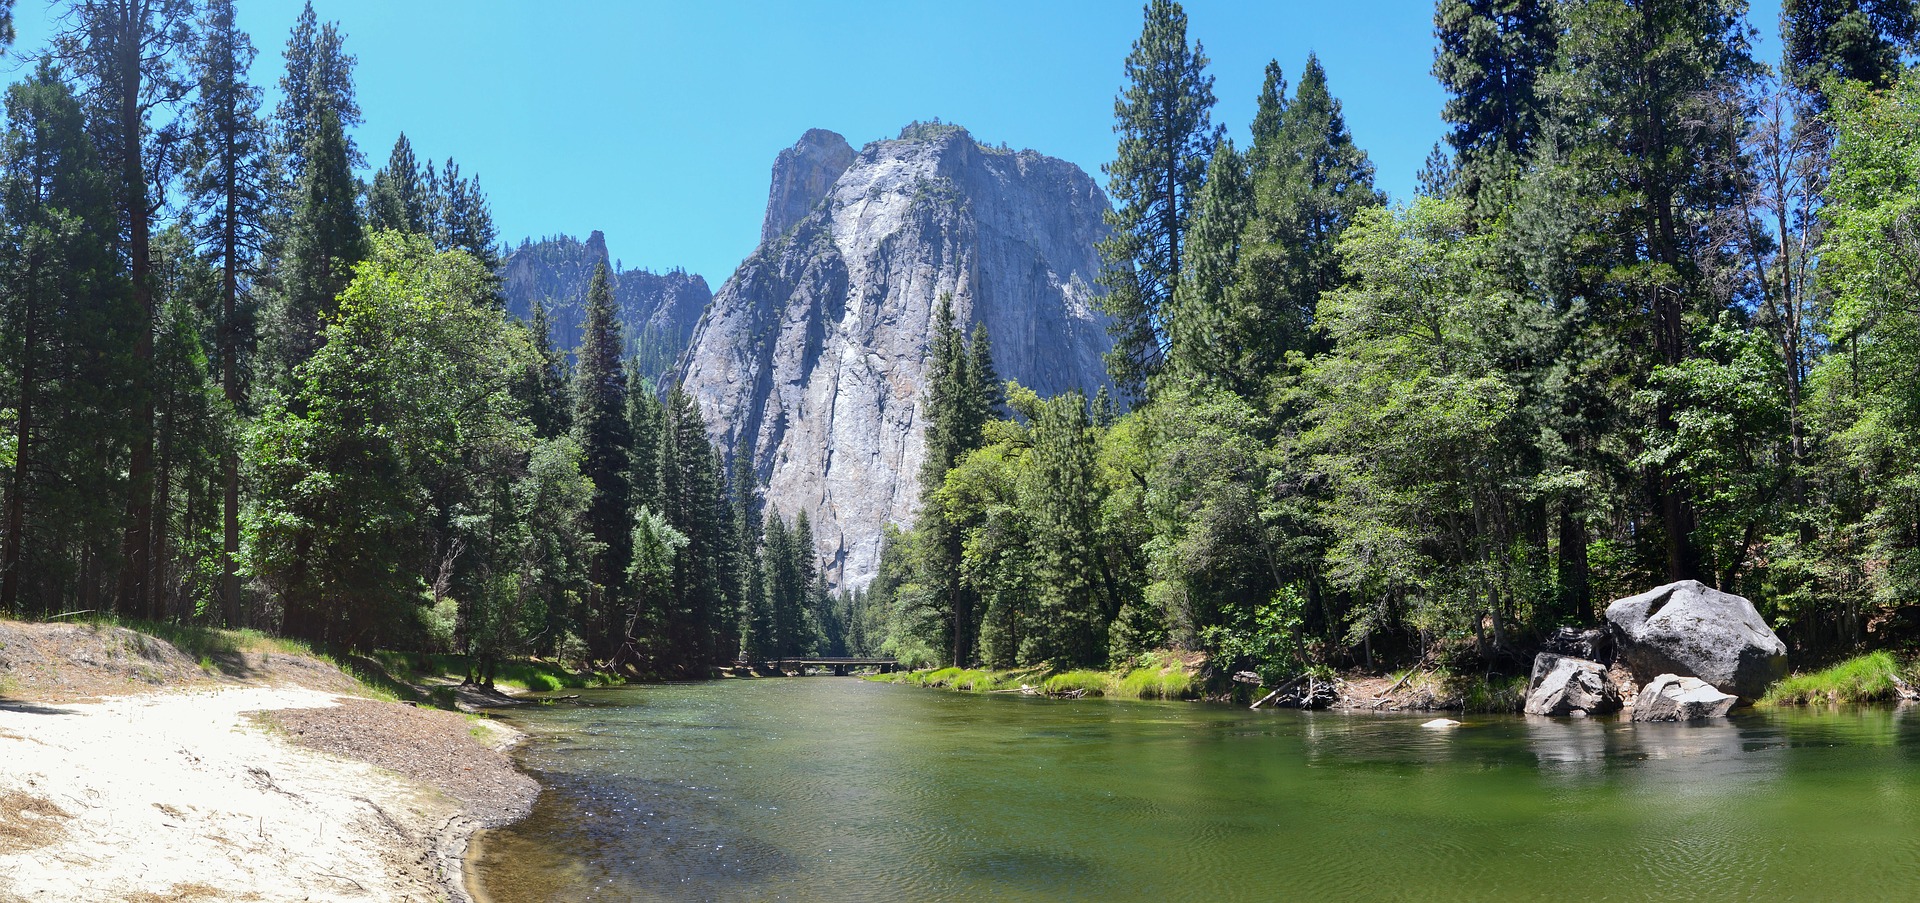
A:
[318,67]
[1852,40]
[1206,338]
[601,428]
[66,312]
[1164,119]
[957,407]
[126,54]
[228,182]
[1308,186]
[1492,56]
[1653,91]
[756,615]
[324,240]
[1063,497]
[397,199]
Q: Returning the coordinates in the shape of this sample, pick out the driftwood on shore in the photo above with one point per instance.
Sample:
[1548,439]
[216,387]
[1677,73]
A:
[1303,692]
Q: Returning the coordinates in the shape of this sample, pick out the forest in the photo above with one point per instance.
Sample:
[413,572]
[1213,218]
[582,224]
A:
[242,388]
[1649,318]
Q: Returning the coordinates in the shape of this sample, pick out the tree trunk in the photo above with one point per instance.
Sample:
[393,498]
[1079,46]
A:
[10,554]
[230,382]
[137,546]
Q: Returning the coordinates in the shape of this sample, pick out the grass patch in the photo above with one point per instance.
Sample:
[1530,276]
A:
[1086,683]
[533,675]
[1874,677]
[1152,679]
[1156,683]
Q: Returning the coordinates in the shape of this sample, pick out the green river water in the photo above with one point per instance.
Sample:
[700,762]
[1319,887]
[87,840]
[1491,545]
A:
[840,789]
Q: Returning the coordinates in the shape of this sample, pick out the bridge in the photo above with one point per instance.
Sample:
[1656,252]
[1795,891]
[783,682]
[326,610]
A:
[840,666]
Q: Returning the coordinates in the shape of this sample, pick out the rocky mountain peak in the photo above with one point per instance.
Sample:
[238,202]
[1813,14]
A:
[811,360]
[802,176]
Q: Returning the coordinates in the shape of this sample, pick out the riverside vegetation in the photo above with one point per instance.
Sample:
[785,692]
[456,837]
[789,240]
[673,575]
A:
[1645,321]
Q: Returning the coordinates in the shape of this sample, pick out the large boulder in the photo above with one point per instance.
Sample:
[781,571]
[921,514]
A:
[1593,644]
[1563,685]
[1671,697]
[1691,629]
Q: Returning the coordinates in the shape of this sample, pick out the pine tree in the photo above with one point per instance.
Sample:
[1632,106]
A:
[1205,338]
[1852,40]
[1164,120]
[547,401]
[806,570]
[318,67]
[1308,186]
[756,616]
[462,219]
[1269,112]
[228,179]
[1492,56]
[126,54]
[397,199]
[601,428]
[694,500]
[324,240]
[1652,92]
[67,311]
[1062,498]
[952,430]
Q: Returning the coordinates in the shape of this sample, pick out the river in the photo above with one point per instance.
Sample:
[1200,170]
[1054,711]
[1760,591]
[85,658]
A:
[840,789]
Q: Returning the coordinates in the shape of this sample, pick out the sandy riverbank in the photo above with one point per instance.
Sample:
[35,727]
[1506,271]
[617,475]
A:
[232,791]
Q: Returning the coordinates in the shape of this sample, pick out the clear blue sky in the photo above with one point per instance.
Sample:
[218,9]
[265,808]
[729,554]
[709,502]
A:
[656,122]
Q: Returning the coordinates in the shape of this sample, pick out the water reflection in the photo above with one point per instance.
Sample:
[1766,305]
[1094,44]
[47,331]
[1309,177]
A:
[835,789]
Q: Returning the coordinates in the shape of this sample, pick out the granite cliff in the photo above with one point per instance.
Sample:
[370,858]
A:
[812,357]
[657,311]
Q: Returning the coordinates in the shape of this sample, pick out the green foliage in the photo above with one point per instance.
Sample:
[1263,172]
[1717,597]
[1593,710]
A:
[1874,677]
[1164,118]
[1265,640]
[1090,683]
[379,462]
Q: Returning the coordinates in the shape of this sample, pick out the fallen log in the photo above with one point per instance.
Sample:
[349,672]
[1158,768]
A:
[1276,693]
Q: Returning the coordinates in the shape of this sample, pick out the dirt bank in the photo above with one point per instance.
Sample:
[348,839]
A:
[259,777]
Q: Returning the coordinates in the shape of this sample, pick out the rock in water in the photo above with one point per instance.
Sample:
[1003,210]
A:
[1562,686]
[1671,697]
[813,357]
[1691,629]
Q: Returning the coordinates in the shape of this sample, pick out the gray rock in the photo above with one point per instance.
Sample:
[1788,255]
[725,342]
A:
[812,358]
[802,176]
[1671,697]
[1563,686]
[1593,644]
[1691,629]
[660,308]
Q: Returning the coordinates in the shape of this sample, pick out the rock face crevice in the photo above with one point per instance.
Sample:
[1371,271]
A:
[811,360]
